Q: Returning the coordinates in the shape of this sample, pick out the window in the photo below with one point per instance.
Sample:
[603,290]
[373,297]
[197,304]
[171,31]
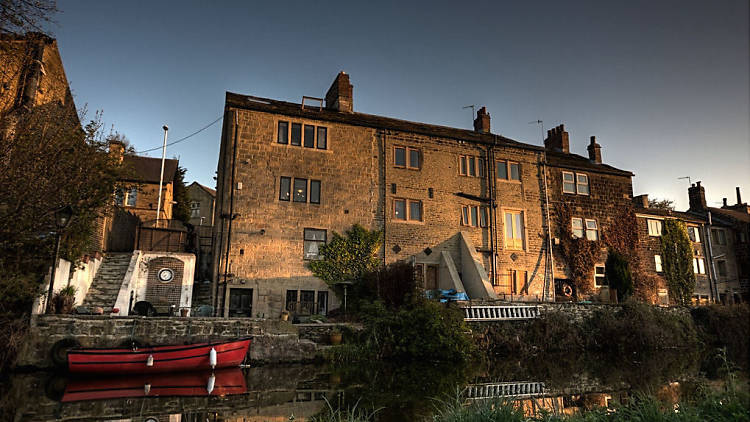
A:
[406,157]
[507,170]
[699,266]
[119,197]
[315,191]
[313,240]
[577,227]
[283,135]
[741,237]
[462,165]
[514,229]
[300,190]
[472,166]
[600,279]
[592,231]
[407,210]
[480,167]
[694,234]
[306,302]
[721,267]
[322,303]
[195,209]
[654,227]
[322,137]
[569,185]
[309,136]
[296,134]
[582,183]
[515,171]
[291,301]
[284,187]
[132,197]
[657,263]
[719,237]
[474,216]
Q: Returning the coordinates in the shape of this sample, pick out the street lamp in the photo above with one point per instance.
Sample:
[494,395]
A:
[62,220]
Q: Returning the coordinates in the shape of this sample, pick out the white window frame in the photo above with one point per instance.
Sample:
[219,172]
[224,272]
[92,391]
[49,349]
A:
[517,241]
[579,184]
[656,229]
[696,234]
[573,228]
[658,264]
[600,276]
[573,175]
[595,230]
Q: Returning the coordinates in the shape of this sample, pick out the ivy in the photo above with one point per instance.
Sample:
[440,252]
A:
[579,253]
[677,261]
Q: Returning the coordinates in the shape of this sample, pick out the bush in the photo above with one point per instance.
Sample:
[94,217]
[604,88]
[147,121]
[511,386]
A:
[618,274]
[552,332]
[725,326]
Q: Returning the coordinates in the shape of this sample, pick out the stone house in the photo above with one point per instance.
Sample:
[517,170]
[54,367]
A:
[728,243]
[202,200]
[466,208]
[590,196]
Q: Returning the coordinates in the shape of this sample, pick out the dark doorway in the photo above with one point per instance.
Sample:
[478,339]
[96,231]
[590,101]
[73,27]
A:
[241,302]
[431,280]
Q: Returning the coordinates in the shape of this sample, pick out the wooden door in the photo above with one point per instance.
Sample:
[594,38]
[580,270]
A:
[431,280]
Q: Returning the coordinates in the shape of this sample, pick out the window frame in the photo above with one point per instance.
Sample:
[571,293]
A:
[279,132]
[319,242]
[294,190]
[395,159]
[694,234]
[579,184]
[310,191]
[130,194]
[508,166]
[513,242]
[510,171]
[595,229]
[573,228]
[463,165]
[319,135]
[658,265]
[292,126]
[407,211]
[655,233]
[602,276]
[573,192]
[288,190]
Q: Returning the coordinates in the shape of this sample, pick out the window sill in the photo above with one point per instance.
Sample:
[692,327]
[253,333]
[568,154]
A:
[407,221]
[301,147]
[509,181]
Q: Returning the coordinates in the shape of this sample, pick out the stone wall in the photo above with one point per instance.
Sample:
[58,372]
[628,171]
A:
[582,311]
[273,340]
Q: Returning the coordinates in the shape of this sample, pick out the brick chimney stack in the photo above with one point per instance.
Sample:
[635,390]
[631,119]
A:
[558,140]
[339,96]
[117,150]
[697,197]
[482,122]
[641,201]
[595,151]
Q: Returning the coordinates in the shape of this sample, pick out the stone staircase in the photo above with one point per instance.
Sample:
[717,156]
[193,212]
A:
[106,285]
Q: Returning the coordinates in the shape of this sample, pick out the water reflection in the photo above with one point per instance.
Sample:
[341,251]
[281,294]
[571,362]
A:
[560,384]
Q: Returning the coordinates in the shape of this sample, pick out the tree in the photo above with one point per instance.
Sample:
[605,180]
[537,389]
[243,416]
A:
[677,261]
[348,258]
[181,210]
[617,271]
[20,16]
[662,204]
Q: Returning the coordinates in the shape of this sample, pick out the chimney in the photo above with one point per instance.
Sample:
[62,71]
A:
[557,139]
[595,151]
[339,96]
[482,122]
[117,150]
[739,198]
[641,201]
[697,197]
[725,202]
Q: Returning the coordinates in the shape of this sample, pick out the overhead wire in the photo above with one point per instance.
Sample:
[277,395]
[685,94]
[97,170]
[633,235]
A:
[184,138]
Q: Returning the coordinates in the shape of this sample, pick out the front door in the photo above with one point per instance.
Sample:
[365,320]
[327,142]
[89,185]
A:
[431,280]
[240,302]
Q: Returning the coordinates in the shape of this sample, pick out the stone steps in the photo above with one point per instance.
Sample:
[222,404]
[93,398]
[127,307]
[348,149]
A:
[106,285]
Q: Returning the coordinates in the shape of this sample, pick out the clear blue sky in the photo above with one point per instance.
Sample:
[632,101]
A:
[662,84]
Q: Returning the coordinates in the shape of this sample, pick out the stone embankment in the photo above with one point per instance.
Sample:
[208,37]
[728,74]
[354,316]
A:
[274,341]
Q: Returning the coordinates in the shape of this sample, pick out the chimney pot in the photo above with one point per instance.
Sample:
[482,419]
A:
[725,201]
[739,198]
[697,197]
[558,140]
[595,151]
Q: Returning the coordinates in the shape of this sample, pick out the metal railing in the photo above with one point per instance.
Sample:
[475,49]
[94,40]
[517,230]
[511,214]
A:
[500,312]
[504,389]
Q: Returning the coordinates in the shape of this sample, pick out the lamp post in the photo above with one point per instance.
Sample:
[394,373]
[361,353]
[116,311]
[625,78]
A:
[62,220]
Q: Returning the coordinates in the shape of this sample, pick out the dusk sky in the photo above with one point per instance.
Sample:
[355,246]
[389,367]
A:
[664,85]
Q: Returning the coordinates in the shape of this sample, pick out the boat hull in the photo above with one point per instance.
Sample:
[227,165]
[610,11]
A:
[157,359]
[225,382]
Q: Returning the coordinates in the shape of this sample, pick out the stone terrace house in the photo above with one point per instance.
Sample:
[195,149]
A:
[202,200]
[728,243]
[467,208]
[589,195]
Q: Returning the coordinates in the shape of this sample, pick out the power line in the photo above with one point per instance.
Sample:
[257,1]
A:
[186,137]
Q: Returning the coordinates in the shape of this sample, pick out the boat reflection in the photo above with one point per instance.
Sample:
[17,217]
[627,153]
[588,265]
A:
[204,383]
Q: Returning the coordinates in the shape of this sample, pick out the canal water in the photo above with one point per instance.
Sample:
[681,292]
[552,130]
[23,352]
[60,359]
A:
[395,392]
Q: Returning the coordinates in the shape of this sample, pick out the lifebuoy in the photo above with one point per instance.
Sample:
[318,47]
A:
[59,351]
[567,290]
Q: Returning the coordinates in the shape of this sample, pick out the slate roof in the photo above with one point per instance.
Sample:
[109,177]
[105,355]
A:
[669,213]
[148,169]
[247,102]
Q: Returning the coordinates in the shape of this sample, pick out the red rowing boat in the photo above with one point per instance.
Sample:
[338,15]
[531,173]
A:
[223,382]
[156,359]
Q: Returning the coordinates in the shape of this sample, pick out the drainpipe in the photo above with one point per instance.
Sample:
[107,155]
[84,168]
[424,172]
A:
[710,256]
[384,135]
[707,253]
[490,192]
[493,209]
[550,255]
[231,207]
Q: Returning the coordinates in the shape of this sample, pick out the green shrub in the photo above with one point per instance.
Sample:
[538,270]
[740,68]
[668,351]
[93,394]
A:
[617,271]
[725,326]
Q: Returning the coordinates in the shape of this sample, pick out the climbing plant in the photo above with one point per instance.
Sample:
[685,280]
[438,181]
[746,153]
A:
[617,271]
[677,261]
[348,258]
[580,254]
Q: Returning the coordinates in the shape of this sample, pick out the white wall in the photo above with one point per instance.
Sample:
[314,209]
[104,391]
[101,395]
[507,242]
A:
[81,278]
